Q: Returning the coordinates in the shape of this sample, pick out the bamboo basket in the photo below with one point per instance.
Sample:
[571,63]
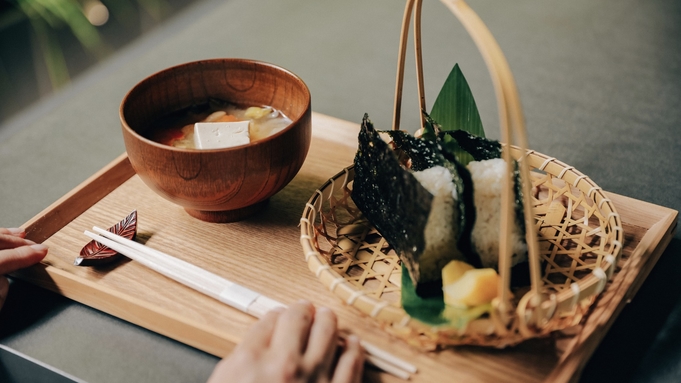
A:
[574,233]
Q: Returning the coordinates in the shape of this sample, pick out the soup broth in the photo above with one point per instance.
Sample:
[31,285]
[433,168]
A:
[177,129]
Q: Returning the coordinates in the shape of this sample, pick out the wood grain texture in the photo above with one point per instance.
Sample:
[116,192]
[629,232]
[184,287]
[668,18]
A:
[218,185]
[81,198]
[263,253]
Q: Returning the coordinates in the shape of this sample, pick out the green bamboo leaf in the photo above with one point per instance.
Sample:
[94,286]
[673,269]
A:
[455,106]
[432,311]
[427,310]
[455,109]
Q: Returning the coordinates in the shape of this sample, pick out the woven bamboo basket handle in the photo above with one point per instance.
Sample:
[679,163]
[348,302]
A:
[532,309]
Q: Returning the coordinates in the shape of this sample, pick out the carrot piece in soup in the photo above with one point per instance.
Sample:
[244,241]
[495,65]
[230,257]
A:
[168,136]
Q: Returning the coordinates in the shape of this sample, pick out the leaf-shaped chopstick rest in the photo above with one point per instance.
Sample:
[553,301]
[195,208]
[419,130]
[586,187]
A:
[94,253]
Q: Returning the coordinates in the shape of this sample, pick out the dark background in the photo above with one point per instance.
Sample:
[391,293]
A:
[40,52]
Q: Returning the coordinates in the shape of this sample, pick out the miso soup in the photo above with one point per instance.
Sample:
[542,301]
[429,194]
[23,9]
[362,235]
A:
[177,129]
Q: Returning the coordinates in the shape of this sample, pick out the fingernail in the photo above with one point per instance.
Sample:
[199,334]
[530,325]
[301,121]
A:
[278,309]
[15,230]
[352,341]
[323,309]
[39,247]
[308,305]
[29,241]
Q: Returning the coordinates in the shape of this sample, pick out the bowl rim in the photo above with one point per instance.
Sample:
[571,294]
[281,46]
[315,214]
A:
[261,141]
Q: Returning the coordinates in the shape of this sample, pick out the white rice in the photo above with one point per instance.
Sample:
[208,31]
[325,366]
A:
[487,182]
[441,227]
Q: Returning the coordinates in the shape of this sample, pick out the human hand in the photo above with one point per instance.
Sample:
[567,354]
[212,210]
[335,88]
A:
[16,252]
[294,345]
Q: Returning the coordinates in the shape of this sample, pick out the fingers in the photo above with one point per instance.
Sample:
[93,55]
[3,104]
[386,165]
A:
[322,343]
[4,289]
[20,257]
[245,361]
[351,363]
[260,334]
[10,241]
[15,231]
[296,344]
[292,329]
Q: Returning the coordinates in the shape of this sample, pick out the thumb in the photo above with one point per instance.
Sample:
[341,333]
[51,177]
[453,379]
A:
[4,289]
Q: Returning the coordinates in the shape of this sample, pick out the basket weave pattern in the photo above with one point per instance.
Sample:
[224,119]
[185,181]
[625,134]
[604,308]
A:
[579,234]
[574,235]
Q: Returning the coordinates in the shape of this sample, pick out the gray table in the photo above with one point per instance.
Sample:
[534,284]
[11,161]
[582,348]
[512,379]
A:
[604,74]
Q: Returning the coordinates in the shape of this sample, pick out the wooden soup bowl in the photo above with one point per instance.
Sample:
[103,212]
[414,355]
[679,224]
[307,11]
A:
[218,185]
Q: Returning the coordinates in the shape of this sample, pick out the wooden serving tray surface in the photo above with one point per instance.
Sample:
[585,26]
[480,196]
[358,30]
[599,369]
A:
[263,253]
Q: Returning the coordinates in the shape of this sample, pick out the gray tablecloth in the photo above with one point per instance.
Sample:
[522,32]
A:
[601,89]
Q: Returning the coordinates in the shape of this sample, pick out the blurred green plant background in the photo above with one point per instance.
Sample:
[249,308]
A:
[44,44]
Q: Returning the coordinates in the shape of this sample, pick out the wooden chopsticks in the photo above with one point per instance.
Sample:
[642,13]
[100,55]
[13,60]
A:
[228,292]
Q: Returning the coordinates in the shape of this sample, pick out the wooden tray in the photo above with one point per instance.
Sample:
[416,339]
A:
[140,296]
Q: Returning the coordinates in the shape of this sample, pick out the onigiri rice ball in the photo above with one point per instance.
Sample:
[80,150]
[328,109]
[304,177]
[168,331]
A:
[487,179]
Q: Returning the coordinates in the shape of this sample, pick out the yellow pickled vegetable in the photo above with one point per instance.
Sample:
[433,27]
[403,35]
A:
[453,271]
[475,287]
[255,112]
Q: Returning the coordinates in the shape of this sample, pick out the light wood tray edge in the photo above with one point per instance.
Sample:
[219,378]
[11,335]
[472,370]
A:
[124,306]
[611,303]
[53,218]
[130,309]
[80,199]
[74,203]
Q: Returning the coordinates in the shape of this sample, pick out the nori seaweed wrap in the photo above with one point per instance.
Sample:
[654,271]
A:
[427,228]
[400,207]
